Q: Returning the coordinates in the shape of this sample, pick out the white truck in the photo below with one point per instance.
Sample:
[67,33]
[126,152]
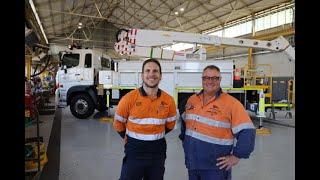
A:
[88,78]
[76,81]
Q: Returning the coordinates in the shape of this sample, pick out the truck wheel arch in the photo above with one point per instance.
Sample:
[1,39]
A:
[81,89]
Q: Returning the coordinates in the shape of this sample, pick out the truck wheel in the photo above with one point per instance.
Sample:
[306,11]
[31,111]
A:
[82,106]
[101,104]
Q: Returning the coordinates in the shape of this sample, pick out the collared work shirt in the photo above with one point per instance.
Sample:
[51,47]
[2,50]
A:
[145,121]
[210,130]
[144,118]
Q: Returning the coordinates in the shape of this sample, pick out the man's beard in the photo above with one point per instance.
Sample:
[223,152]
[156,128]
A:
[149,86]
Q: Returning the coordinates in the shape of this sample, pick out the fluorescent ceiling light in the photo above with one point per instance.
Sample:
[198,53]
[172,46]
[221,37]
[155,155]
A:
[181,9]
[38,20]
[176,13]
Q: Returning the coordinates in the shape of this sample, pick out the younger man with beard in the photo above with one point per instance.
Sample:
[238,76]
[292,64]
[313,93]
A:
[142,119]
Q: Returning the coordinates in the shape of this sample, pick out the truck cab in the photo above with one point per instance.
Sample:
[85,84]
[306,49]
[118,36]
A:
[77,80]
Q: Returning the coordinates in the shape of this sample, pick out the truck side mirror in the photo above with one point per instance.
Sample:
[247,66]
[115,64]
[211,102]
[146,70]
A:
[65,69]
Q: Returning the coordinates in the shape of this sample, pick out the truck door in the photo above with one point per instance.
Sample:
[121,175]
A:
[84,76]
[70,69]
[66,76]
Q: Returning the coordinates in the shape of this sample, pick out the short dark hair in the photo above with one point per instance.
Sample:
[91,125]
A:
[211,67]
[151,60]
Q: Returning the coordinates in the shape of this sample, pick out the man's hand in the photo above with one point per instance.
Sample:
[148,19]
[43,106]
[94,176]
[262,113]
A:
[227,161]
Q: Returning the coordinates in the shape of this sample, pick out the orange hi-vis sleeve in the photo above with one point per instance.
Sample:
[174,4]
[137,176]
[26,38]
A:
[217,121]
[240,118]
[144,118]
[122,113]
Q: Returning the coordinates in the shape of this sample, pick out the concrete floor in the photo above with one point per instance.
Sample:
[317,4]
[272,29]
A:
[91,149]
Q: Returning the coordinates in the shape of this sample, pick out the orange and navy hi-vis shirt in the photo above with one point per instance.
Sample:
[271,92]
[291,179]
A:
[145,120]
[210,130]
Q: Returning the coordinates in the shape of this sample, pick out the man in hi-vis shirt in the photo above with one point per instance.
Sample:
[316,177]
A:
[142,119]
[211,122]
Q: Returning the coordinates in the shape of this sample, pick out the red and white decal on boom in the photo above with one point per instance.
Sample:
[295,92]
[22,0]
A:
[132,36]
[126,45]
[176,53]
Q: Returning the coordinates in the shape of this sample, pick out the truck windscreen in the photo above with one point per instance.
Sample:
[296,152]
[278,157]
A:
[70,60]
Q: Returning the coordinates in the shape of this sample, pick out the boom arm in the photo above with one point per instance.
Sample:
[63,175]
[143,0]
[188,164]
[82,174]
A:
[145,43]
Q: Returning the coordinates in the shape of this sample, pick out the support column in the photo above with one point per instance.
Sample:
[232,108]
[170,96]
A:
[28,64]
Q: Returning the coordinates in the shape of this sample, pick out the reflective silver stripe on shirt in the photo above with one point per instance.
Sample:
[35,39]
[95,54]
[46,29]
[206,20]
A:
[170,119]
[154,121]
[210,122]
[183,116]
[145,137]
[119,118]
[242,126]
[209,139]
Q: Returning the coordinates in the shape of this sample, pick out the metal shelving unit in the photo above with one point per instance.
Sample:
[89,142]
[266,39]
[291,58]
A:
[33,111]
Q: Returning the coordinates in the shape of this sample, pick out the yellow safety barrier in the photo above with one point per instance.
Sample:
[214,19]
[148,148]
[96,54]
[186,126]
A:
[263,131]
[106,119]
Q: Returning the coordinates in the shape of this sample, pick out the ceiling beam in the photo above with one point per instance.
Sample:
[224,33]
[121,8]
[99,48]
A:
[202,14]
[111,10]
[247,6]
[121,23]
[93,21]
[225,15]
[79,19]
[129,6]
[156,17]
[142,23]
[79,39]
[209,11]
[233,9]
[74,14]
[52,21]
[97,8]
[171,8]
[63,2]
[32,19]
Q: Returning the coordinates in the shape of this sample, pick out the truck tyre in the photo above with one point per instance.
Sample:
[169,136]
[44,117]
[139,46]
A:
[82,106]
[101,104]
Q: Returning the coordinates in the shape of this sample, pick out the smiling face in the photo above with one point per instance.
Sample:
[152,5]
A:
[211,81]
[151,75]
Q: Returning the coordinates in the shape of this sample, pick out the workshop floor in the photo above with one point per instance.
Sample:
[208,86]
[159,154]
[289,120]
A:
[91,149]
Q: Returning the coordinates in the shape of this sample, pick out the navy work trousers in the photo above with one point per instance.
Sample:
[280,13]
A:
[138,169]
[209,174]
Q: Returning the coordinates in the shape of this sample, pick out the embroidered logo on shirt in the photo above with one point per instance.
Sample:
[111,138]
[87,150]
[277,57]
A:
[189,106]
[162,108]
[214,109]
[163,105]
[138,103]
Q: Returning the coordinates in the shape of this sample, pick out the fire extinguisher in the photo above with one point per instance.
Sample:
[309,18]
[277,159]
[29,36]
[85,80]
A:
[237,74]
